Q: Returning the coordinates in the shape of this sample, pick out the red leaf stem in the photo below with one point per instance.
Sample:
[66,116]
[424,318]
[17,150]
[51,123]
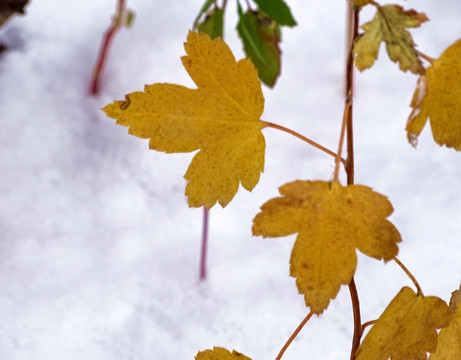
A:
[104,49]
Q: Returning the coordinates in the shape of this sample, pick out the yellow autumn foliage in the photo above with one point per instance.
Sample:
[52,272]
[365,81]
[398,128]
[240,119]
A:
[219,353]
[221,118]
[406,329]
[332,221]
[438,98]
[389,26]
[449,341]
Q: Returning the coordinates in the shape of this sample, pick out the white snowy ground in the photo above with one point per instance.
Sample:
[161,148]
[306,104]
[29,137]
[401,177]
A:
[98,249]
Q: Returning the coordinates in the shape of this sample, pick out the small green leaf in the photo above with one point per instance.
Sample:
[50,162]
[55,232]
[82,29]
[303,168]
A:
[213,24]
[202,11]
[129,18]
[261,36]
[277,10]
[248,36]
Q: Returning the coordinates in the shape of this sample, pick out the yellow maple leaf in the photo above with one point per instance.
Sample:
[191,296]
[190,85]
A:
[332,221]
[438,98]
[221,118]
[219,353]
[406,329]
[449,341]
[389,25]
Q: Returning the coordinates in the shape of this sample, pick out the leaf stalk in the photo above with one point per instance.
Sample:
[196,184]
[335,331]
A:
[293,336]
[365,325]
[409,274]
[426,57]
[303,138]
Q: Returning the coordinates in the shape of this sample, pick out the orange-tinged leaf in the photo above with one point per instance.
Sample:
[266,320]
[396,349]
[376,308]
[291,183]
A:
[437,98]
[332,221]
[449,341]
[406,329]
[389,25]
[219,353]
[221,119]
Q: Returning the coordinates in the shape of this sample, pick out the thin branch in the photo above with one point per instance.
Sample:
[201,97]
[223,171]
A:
[352,35]
[347,109]
[204,245]
[293,336]
[303,138]
[409,274]
[117,23]
[357,318]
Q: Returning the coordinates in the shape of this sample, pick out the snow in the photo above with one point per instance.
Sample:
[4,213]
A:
[98,248]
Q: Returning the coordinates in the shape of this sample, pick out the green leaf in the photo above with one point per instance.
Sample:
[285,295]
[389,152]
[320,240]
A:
[277,10]
[202,11]
[213,24]
[129,18]
[261,36]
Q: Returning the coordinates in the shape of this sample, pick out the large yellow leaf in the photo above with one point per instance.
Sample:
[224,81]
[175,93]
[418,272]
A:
[221,118]
[389,25]
[219,353]
[407,328]
[449,343]
[438,98]
[332,221]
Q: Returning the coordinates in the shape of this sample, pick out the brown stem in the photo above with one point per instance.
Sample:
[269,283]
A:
[365,325]
[357,318]
[303,138]
[293,336]
[426,57]
[104,50]
[352,32]
[409,274]
[347,109]
[204,245]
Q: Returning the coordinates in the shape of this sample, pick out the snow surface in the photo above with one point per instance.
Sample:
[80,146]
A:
[98,248]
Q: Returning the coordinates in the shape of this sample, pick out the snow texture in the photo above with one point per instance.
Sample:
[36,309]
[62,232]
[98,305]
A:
[98,248]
